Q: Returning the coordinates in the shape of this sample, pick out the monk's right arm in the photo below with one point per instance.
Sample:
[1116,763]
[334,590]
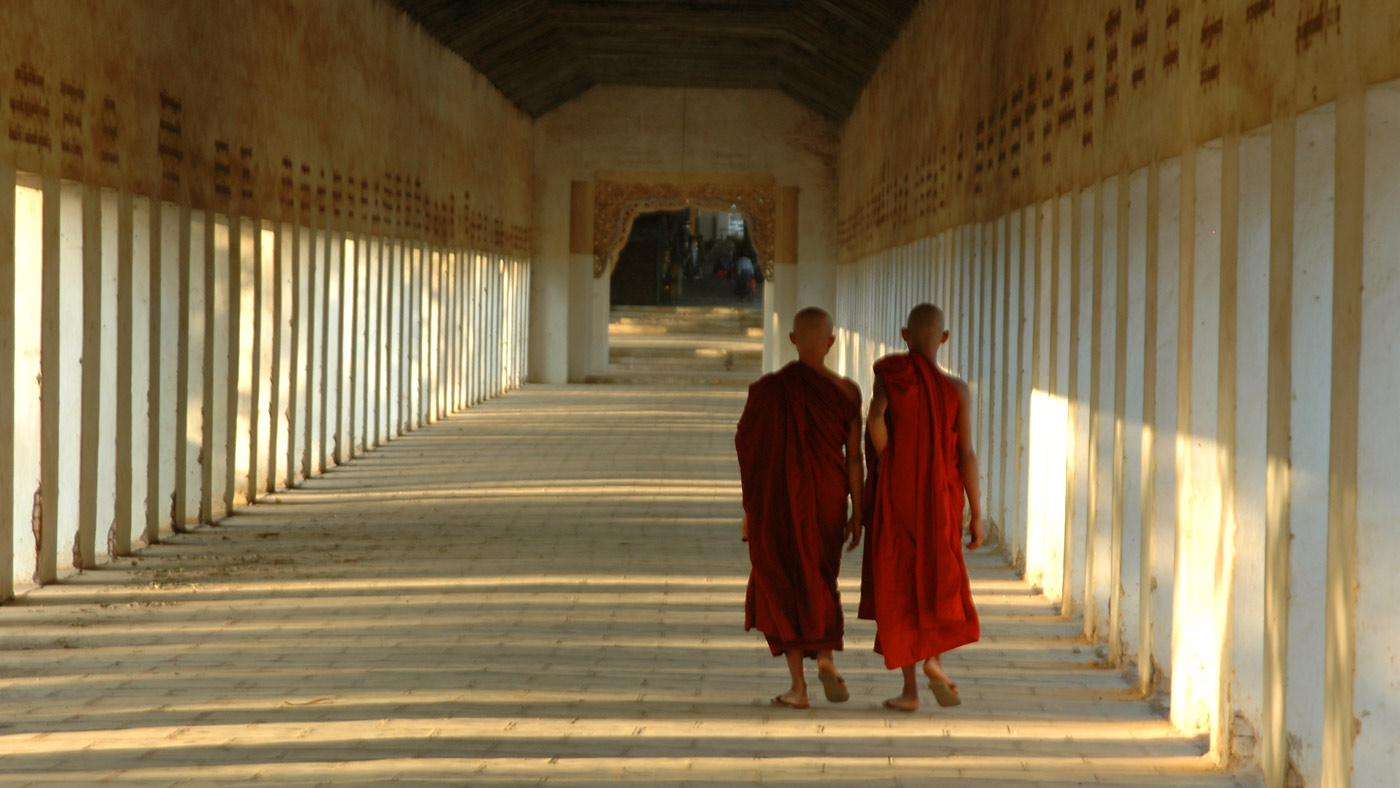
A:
[875,420]
[967,465]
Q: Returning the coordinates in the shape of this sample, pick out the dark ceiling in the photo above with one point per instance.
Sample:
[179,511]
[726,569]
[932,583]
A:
[541,53]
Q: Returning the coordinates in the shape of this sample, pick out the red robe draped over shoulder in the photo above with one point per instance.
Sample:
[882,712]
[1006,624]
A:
[792,463]
[913,581]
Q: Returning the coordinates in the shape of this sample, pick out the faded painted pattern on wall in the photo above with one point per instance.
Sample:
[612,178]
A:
[327,112]
[982,107]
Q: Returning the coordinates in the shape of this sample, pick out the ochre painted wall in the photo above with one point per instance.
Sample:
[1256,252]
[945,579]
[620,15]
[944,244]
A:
[275,109]
[981,107]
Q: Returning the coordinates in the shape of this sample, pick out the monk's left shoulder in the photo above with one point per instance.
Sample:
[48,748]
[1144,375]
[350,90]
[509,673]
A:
[847,386]
[960,386]
[850,388]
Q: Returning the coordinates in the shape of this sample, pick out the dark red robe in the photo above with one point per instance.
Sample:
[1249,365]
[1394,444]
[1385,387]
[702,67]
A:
[913,581]
[791,443]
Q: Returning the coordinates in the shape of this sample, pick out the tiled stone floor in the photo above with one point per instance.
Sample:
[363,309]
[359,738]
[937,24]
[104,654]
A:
[546,589]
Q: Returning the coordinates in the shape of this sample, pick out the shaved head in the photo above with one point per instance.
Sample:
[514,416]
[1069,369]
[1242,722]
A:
[813,320]
[924,330]
[813,332]
[925,319]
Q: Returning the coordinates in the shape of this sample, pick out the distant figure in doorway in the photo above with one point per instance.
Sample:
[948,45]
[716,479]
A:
[675,279]
[744,278]
[799,462]
[914,582]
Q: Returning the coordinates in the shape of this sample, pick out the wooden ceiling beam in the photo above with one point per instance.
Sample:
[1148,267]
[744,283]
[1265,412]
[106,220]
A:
[542,53]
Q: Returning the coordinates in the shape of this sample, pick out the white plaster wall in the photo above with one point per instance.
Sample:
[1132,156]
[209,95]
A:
[1376,757]
[170,430]
[1164,420]
[214,447]
[247,282]
[106,482]
[1061,448]
[668,130]
[1080,363]
[1025,380]
[1196,649]
[283,341]
[28,295]
[1105,538]
[1131,584]
[1313,239]
[1251,441]
[779,304]
[69,262]
[192,368]
[1200,487]
[139,496]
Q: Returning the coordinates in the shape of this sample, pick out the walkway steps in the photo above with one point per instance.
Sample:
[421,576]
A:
[686,345]
[546,589]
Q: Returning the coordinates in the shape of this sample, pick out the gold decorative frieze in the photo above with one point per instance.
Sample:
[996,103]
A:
[620,199]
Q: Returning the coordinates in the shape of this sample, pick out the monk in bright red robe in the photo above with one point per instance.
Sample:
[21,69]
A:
[799,462]
[914,582]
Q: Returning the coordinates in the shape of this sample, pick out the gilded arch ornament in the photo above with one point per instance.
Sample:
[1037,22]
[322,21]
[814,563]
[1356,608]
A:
[619,200]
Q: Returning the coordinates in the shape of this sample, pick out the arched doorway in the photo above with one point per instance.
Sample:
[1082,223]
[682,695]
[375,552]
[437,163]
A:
[696,257]
[666,322]
[619,199]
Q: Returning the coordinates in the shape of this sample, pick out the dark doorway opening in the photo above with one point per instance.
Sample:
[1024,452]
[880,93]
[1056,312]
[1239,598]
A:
[688,257]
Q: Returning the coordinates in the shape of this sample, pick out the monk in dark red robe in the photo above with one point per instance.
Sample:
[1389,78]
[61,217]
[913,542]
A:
[914,582]
[800,461]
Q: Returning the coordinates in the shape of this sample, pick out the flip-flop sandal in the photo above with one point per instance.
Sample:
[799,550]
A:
[835,687]
[892,707]
[944,693]
[778,701]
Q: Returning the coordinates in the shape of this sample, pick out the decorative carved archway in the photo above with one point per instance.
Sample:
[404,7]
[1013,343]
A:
[620,199]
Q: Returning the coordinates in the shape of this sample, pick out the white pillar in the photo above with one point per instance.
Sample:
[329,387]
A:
[333,337]
[243,279]
[61,374]
[1251,318]
[215,443]
[132,332]
[314,432]
[1079,395]
[1016,383]
[1162,469]
[94,292]
[1124,638]
[1377,647]
[168,231]
[1313,221]
[264,465]
[1104,543]
[1202,565]
[21,316]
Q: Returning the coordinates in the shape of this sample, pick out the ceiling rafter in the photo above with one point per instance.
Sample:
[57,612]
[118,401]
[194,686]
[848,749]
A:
[542,53]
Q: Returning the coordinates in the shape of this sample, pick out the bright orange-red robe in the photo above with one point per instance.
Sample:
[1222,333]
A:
[791,443]
[914,582]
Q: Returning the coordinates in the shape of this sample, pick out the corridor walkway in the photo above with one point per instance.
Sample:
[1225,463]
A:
[546,589]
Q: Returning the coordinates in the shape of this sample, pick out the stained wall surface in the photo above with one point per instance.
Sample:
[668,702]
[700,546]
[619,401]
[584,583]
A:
[239,244]
[1164,234]
[688,133]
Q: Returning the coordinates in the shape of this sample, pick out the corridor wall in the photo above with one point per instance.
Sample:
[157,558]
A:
[1165,237]
[229,263]
[682,135]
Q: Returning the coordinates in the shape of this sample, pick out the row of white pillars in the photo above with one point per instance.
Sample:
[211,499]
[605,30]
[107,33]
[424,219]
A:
[165,365]
[1183,379]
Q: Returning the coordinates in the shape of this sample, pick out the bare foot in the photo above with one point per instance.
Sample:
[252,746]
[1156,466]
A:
[944,690]
[834,686]
[791,699]
[903,703]
[933,669]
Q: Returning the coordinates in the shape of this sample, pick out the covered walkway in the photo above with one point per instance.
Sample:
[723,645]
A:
[544,589]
